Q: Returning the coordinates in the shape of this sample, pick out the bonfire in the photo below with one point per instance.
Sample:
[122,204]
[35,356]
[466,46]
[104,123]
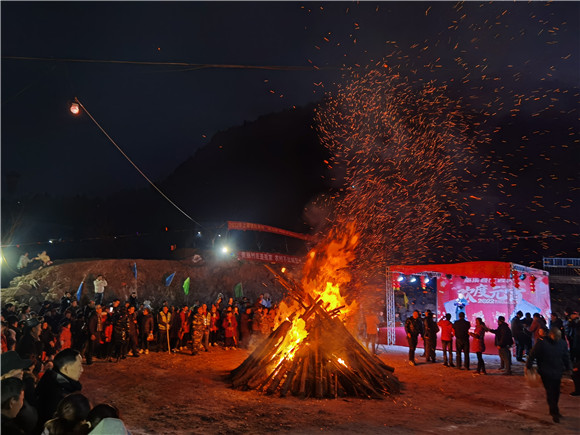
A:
[312,353]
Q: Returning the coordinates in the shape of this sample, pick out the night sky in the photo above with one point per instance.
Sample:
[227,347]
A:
[160,114]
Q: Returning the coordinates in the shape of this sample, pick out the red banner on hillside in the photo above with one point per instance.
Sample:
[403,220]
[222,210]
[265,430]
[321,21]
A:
[268,257]
[248,226]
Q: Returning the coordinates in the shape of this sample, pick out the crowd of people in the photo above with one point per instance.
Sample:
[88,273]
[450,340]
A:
[553,347]
[45,349]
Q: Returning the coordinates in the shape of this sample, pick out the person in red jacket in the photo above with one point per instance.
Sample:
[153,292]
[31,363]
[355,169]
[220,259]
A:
[446,328]
[65,336]
[478,344]
[230,326]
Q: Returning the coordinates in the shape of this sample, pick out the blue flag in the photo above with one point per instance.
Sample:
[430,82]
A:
[79,291]
[169,279]
[134,267]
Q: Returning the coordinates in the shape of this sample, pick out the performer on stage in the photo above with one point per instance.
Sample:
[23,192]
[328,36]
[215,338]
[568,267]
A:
[460,304]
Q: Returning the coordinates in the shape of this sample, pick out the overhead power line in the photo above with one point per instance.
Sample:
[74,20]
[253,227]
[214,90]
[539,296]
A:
[134,165]
[185,64]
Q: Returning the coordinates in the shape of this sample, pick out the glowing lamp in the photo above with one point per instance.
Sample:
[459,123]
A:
[400,278]
[75,109]
[413,279]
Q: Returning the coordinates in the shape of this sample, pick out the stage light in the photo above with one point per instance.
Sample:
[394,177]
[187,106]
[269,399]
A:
[425,279]
[225,249]
[413,279]
[75,109]
[400,278]
[522,277]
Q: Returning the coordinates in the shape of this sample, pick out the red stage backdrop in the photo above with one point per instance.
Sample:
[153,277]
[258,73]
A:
[492,297]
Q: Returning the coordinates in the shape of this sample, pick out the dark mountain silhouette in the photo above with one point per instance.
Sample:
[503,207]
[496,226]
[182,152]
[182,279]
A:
[264,171]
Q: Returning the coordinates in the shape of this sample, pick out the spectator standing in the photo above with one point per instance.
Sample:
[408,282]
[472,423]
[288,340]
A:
[164,324]
[519,335]
[96,330]
[14,367]
[478,345]
[446,328]
[58,382]
[503,342]
[413,328]
[245,327]
[461,330]
[184,327]
[430,329]
[65,336]
[30,346]
[214,326]
[538,323]
[12,403]
[146,330]
[230,326]
[553,359]
[133,326]
[198,327]
[133,299]
[100,283]
[527,321]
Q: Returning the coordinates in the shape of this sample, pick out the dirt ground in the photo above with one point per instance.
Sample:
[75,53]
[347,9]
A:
[184,394]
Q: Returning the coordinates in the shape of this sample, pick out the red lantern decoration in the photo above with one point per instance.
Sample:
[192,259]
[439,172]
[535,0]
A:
[533,284]
[516,282]
[492,282]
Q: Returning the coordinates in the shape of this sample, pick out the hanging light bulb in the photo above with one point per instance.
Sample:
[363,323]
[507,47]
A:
[75,109]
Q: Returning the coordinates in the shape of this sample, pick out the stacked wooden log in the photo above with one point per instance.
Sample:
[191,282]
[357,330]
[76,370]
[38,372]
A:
[329,362]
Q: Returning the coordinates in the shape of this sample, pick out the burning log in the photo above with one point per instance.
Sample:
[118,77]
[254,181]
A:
[314,355]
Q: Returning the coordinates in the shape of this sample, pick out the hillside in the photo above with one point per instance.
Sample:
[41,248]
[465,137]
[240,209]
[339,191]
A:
[207,280]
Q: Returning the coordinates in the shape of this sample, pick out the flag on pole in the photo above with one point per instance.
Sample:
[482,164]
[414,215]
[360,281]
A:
[186,286]
[169,279]
[79,291]
[238,291]
[134,268]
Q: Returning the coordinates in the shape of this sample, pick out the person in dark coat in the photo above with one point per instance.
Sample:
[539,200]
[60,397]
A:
[29,346]
[14,367]
[12,403]
[503,342]
[527,322]
[145,328]
[133,332]
[431,329]
[57,382]
[413,328]
[120,334]
[461,330]
[553,359]
[96,329]
[519,335]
